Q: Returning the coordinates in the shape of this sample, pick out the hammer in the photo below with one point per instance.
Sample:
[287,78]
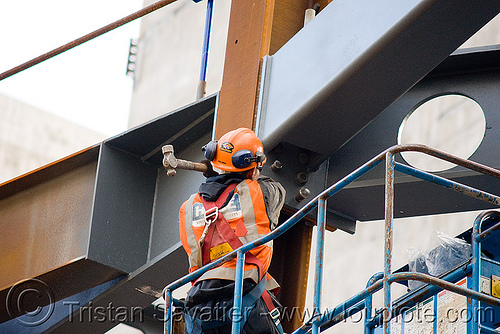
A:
[171,163]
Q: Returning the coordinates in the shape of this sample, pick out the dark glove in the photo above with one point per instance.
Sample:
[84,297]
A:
[210,171]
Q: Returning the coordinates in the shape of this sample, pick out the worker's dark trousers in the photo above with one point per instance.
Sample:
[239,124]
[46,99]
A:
[211,299]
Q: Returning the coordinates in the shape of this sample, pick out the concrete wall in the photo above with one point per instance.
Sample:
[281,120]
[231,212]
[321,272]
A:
[169,57]
[30,138]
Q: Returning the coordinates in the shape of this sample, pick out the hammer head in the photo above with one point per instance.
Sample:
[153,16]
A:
[169,160]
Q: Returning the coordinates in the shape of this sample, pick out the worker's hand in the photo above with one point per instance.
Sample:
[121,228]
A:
[210,171]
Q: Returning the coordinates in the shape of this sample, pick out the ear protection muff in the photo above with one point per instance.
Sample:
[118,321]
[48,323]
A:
[244,158]
[210,150]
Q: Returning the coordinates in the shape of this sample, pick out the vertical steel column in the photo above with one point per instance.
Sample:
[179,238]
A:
[202,84]
[320,244]
[389,216]
[237,314]
[168,311]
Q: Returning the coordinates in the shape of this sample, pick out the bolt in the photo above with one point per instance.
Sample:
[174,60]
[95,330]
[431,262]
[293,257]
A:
[276,166]
[301,178]
[302,194]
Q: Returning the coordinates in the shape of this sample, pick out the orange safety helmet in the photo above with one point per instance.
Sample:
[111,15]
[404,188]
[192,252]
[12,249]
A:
[236,151]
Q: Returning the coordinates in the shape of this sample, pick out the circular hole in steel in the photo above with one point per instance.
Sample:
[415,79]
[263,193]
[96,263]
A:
[451,123]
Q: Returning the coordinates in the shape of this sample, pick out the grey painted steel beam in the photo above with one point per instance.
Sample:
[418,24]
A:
[474,73]
[104,212]
[131,295]
[355,59]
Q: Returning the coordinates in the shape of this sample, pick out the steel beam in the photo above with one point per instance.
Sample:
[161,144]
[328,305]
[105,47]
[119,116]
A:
[101,214]
[248,40]
[470,72]
[133,295]
[256,28]
[355,59]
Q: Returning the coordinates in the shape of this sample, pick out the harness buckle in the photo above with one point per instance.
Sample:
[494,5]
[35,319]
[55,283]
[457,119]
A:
[211,215]
[275,313]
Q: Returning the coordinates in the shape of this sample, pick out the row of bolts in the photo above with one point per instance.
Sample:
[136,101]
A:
[300,178]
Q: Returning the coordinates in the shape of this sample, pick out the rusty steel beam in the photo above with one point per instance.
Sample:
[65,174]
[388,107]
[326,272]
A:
[248,41]
[256,29]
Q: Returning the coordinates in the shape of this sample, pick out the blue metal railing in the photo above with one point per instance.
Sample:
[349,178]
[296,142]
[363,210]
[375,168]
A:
[320,321]
[477,238]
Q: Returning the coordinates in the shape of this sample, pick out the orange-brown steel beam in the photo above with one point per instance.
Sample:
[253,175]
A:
[248,40]
[256,28]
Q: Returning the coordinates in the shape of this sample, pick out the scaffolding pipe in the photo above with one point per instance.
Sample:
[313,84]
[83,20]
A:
[369,300]
[389,218]
[320,245]
[167,295]
[334,315]
[477,237]
[453,185]
[237,314]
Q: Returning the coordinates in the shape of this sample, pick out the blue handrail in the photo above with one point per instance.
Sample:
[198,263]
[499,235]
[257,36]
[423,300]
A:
[388,277]
[477,237]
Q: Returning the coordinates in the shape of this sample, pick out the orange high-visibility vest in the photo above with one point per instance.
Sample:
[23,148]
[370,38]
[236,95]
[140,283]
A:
[246,215]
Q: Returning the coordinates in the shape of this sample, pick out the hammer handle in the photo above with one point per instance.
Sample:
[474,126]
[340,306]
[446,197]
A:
[189,165]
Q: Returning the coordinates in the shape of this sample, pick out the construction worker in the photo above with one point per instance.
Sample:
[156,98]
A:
[234,206]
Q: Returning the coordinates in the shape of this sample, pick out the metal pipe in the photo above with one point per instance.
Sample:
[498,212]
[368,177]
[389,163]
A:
[389,217]
[202,84]
[425,292]
[206,40]
[458,187]
[368,301]
[328,317]
[341,313]
[168,312]
[236,313]
[334,314]
[488,233]
[476,256]
[146,10]
[487,330]
[320,245]
[477,238]
[447,157]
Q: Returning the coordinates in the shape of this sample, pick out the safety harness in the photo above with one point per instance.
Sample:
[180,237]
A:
[224,240]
